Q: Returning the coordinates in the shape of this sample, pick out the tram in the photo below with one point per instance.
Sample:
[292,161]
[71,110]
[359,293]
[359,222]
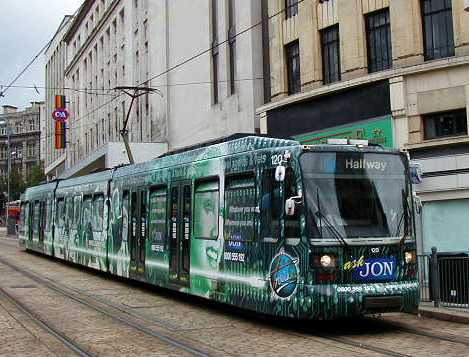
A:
[266,224]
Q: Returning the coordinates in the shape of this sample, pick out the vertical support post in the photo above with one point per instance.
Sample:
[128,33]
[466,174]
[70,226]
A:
[8,174]
[435,278]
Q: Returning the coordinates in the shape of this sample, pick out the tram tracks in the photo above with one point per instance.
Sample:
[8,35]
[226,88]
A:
[353,343]
[111,312]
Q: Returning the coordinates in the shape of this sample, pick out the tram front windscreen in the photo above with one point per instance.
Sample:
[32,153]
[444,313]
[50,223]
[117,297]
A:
[356,195]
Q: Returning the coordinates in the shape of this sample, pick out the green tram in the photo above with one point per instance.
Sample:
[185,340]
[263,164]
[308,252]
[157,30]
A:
[305,232]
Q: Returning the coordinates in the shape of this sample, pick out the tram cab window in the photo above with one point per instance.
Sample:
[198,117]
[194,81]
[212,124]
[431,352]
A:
[60,212]
[157,223]
[240,207]
[76,211]
[26,219]
[98,213]
[206,208]
[271,207]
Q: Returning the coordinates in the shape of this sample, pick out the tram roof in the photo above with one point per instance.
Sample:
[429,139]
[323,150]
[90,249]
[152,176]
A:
[34,192]
[231,145]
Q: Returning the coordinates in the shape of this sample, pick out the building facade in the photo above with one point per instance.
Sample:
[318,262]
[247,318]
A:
[395,72]
[55,58]
[24,139]
[208,80]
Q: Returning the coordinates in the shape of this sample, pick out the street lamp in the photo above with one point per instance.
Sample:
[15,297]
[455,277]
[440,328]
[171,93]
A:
[8,132]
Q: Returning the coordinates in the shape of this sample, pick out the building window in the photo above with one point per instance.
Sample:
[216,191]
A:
[447,124]
[330,54]
[378,33]
[291,8]
[437,28]
[292,52]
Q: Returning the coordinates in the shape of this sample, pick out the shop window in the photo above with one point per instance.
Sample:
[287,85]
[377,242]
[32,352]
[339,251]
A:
[206,208]
[240,207]
[447,124]
[437,19]
[378,34]
[292,52]
[330,44]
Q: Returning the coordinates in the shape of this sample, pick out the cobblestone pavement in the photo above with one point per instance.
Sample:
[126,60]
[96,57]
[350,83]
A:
[211,328]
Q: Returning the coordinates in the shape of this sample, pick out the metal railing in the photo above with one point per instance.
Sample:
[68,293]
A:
[444,279]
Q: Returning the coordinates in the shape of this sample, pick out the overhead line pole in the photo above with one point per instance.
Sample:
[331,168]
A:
[134,93]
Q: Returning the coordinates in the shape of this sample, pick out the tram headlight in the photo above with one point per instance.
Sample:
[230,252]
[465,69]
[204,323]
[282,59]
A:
[326,261]
[410,257]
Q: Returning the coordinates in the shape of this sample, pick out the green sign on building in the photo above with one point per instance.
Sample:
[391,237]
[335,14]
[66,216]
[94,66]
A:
[376,131]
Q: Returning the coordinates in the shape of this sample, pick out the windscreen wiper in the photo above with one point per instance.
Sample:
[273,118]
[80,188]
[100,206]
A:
[335,233]
[405,212]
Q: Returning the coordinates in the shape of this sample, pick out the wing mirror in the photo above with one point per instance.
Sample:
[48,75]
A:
[280,173]
[290,205]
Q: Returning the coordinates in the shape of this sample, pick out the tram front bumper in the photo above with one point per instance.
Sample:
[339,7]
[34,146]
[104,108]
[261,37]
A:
[342,301]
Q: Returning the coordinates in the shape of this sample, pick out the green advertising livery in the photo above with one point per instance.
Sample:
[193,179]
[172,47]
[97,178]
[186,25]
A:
[266,224]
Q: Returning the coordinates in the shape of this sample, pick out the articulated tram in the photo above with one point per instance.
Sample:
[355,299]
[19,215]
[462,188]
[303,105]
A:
[306,232]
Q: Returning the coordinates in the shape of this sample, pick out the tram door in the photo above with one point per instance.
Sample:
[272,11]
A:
[138,232]
[181,196]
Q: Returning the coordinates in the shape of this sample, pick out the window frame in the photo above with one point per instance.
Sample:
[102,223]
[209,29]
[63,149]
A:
[292,54]
[443,19]
[435,116]
[198,182]
[328,44]
[291,8]
[377,63]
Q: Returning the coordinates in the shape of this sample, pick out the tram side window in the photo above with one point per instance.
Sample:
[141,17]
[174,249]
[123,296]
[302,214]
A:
[26,220]
[157,225]
[125,216]
[98,213]
[271,207]
[69,206]
[48,215]
[60,212]
[22,218]
[76,211]
[240,207]
[87,213]
[206,208]
[292,223]
[36,217]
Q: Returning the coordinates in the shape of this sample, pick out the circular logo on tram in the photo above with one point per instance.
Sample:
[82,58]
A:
[283,275]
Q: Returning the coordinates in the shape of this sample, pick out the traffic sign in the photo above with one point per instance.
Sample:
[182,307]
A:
[60,114]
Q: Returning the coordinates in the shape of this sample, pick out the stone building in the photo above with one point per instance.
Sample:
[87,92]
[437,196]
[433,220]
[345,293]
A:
[55,58]
[393,71]
[24,139]
[142,42]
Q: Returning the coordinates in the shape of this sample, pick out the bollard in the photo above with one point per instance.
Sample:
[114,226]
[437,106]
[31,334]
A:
[435,278]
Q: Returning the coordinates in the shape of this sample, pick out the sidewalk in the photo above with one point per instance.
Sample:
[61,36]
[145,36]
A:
[444,313]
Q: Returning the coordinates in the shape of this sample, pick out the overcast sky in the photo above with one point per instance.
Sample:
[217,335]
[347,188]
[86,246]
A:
[25,27]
